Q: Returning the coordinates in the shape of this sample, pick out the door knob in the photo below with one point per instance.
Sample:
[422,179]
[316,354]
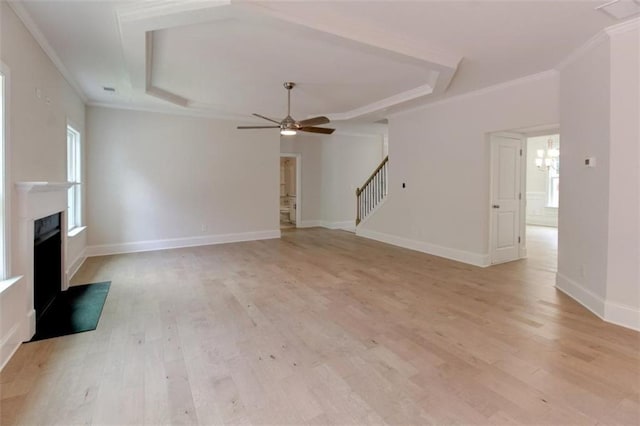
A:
[496,206]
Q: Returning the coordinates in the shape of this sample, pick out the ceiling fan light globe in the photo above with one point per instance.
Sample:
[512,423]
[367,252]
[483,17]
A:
[288,132]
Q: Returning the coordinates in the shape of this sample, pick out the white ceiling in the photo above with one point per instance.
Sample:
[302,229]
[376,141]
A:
[351,59]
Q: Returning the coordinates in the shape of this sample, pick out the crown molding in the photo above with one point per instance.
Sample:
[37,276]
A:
[138,22]
[600,37]
[623,27]
[577,53]
[184,112]
[364,34]
[381,105]
[478,92]
[35,32]
[157,8]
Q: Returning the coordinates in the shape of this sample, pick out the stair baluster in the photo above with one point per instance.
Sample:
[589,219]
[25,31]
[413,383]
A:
[372,192]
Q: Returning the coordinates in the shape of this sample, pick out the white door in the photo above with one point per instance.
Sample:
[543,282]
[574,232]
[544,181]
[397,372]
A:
[506,155]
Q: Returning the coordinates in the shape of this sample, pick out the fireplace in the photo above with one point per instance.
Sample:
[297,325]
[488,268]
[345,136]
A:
[41,239]
[47,262]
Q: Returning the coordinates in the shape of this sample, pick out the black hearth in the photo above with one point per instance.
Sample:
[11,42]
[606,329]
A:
[47,263]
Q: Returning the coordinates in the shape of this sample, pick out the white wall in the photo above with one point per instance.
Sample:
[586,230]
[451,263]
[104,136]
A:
[158,181]
[583,218]
[599,231]
[623,275]
[309,197]
[332,166]
[36,146]
[347,162]
[537,186]
[441,152]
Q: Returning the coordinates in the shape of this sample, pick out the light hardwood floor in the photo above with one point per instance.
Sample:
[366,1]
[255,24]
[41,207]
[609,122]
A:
[323,327]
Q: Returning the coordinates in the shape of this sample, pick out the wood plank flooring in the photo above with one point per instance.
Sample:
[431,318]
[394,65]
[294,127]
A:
[322,327]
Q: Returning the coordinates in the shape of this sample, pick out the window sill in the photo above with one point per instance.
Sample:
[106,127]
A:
[76,231]
[551,207]
[5,284]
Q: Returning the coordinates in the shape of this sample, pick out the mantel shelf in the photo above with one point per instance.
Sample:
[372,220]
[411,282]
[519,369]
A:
[43,186]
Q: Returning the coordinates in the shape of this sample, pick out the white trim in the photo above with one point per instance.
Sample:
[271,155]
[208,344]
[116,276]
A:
[383,104]
[580,294]
[298,158]
[500,86]
[612,312]
[5,169]
[623,27]
[188,112]
[537,220]
[75,231]
[11,339]
[35,32]
[346,225]
[596,39]
[76,264]
[10,344]
[152,245]
[623,315]
[9,282]
[577,53]
[310,223]
[476,259]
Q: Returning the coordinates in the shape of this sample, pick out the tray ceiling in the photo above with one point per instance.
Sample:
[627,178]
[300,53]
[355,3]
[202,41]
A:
[349,59]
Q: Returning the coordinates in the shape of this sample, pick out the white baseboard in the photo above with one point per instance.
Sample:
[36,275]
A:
[615,313]
[206,240]
[475,259]
[585,297]
[373,212]
[17,324]
[623,315]
[10,344]
[347,225]
[76,264]
[542,221]
[309,223]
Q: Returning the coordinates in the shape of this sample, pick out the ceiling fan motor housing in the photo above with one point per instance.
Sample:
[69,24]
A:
[289,126]
[289,123]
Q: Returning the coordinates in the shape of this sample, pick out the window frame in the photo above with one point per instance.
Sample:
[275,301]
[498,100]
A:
[5,201]
[74,176]
[553,176]
[553,198]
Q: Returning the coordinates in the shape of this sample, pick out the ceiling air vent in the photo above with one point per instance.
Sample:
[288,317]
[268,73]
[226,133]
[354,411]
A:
[109,89]
[620,9]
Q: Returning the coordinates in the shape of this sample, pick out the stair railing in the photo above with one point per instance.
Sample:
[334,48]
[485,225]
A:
[372,192]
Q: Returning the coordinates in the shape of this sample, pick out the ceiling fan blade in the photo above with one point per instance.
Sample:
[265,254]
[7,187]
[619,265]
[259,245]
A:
[258,127]
[266,118]
[313,121]
[312,129]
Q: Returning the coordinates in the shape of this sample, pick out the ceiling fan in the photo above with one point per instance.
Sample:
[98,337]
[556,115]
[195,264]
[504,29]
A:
[289,126]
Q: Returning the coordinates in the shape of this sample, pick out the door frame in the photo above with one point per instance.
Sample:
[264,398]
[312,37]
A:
[522,246]
[298,158]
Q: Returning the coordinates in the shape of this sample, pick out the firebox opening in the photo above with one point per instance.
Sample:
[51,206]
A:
[47,262]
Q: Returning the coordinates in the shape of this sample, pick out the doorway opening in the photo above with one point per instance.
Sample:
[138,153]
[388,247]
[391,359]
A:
[290,191]
[524,196]
[542,189]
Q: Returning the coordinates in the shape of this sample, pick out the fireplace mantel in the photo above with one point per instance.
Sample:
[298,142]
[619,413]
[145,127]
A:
[37,200]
